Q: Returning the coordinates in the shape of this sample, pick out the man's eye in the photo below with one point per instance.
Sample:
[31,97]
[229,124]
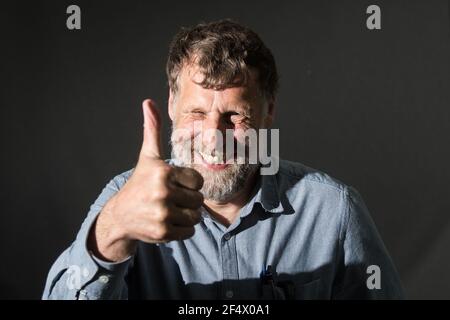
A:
[197,113]
[237,118]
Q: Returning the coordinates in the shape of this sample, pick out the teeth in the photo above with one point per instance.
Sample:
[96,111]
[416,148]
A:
[211,159]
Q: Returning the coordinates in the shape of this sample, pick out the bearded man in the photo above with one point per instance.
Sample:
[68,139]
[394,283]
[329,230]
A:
[204,225]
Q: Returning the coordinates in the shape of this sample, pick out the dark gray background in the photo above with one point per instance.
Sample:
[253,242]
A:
[371,108]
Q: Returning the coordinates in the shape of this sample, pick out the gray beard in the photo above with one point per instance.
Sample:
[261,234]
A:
[218,185]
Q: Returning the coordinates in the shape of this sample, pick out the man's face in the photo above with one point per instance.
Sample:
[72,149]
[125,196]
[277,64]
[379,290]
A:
[200,113]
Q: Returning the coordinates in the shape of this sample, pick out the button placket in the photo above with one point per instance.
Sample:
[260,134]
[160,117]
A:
[229,265]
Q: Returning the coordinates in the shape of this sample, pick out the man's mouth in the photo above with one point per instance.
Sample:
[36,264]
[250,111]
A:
[215,162]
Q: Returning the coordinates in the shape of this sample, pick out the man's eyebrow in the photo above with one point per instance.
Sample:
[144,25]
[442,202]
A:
[191,107]
[243,109]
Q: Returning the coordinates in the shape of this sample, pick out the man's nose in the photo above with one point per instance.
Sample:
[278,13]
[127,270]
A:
[214,132]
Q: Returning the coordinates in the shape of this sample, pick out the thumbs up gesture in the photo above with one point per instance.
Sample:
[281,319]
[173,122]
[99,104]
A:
[159,203]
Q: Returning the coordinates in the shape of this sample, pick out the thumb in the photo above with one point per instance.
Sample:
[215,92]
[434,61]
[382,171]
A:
[151,146]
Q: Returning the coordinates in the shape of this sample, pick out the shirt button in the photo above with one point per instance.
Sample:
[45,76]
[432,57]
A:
[227,236]
[229,294]
[103,279]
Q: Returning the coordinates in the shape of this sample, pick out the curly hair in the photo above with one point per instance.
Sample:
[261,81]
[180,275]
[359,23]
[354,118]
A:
[225,52]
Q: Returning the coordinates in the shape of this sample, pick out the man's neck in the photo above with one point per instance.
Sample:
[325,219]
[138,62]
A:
[227,211]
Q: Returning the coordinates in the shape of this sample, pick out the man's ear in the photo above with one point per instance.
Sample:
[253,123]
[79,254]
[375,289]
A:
[171,105]
[268,120]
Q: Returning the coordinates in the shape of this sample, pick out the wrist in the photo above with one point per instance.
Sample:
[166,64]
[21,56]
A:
[108,240]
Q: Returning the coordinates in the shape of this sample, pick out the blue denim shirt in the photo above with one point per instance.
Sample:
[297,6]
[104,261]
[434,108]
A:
[313,231]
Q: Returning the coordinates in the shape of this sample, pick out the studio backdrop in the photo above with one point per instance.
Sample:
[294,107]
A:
[370,107]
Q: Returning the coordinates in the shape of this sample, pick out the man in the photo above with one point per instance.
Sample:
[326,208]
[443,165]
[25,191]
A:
[202,227]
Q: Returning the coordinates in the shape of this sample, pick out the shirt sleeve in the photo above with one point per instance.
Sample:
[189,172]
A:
[76,274]
[365,269]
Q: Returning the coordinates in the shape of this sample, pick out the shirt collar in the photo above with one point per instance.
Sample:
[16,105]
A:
[268,195]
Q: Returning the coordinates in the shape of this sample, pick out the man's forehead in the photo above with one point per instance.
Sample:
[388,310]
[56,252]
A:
[191,77]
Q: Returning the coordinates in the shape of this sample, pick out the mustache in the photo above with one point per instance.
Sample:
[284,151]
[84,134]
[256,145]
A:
[221,152]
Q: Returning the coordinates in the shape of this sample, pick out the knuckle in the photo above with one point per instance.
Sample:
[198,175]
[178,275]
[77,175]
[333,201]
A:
[162,172]
[198,199]
[199,181]
[196,216]
[161,214]
[191,232]
[186,234]
[161,193]
[161,232]
[196,177]
[191,216]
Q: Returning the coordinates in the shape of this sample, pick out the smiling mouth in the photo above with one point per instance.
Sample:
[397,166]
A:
[215,162]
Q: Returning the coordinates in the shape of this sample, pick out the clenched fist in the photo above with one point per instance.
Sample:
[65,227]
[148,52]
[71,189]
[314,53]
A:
[159,202]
